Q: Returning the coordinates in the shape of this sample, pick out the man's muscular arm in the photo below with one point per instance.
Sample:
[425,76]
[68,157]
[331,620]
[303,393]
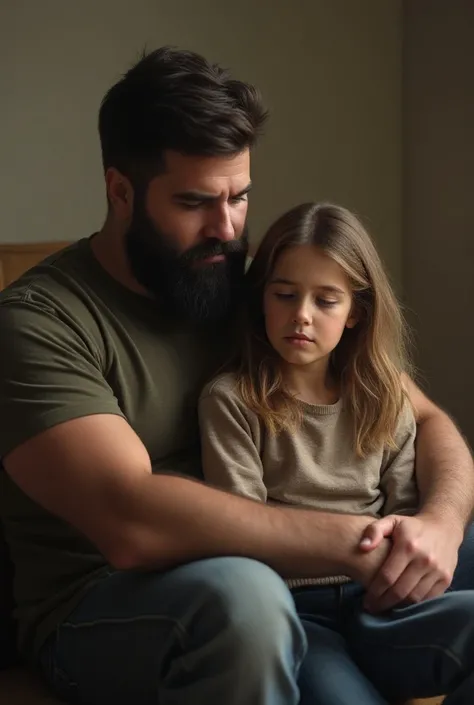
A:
[425,547]
[95,473]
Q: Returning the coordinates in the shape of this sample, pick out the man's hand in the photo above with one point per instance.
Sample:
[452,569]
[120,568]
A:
[365,565]
[420,564]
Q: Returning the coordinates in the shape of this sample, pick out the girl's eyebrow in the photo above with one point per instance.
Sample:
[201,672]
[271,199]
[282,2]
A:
[280,280]
[329,288]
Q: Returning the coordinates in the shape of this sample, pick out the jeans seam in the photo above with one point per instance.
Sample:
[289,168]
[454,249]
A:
[300,658]
[129,620]
[439,647]
[180,632]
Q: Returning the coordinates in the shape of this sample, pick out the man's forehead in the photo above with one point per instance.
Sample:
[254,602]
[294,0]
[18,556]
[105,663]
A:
[212,174]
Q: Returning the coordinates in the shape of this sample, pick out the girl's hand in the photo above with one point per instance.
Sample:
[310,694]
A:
[420,564]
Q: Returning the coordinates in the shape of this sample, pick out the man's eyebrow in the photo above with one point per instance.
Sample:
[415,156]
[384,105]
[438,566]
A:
[325,287]
[194,195]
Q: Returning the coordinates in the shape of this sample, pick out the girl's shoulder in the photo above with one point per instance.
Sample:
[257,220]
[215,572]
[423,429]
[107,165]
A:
[224,384]
[221,396]
[406,425]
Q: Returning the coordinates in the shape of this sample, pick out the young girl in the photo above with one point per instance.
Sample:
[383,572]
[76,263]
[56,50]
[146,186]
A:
[314,414]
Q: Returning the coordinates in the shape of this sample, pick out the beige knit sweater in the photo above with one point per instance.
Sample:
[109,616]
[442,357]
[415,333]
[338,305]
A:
[313,466]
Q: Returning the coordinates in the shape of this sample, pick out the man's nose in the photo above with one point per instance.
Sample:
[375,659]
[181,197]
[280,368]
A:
[220,224]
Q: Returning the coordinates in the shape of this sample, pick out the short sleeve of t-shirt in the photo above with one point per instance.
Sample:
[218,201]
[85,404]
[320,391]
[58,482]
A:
[50,372]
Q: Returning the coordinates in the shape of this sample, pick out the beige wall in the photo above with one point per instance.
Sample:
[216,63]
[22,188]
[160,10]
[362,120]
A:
[330,70]
[438,259]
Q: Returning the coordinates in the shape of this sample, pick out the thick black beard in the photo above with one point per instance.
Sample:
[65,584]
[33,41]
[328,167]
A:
[199,294]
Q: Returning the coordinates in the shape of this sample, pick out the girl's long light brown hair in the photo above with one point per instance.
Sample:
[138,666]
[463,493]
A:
[370,358]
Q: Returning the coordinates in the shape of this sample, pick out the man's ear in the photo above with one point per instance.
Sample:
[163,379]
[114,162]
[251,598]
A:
[119,193]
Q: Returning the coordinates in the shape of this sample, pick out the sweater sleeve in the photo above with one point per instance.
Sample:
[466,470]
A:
[398,480]
[229,440]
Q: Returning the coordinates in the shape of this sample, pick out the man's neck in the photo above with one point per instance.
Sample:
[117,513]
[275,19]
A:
[108,247]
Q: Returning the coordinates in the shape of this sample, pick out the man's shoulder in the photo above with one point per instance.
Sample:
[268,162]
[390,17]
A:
[48,281]
[61,287]
[51,301]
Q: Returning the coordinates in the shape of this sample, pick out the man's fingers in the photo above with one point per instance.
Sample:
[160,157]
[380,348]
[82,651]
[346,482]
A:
[416,583]
[425,588]
[389,573]
[412,580]
[439,588]
[417,568]
[374,533]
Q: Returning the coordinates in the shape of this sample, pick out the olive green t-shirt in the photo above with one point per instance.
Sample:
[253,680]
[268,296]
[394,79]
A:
[74,342]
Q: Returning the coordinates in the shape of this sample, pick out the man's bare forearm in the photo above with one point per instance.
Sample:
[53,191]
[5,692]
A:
[95,474]
[444,470]
[444,464]
[169,520]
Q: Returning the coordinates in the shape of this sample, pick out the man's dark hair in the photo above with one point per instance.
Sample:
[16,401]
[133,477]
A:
[176,100]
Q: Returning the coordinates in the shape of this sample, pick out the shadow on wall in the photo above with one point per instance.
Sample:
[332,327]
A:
[438,243]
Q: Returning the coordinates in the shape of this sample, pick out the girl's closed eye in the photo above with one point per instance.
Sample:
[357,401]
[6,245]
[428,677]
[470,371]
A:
[326,303]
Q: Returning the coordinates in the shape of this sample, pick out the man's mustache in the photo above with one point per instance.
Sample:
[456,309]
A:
[214,248]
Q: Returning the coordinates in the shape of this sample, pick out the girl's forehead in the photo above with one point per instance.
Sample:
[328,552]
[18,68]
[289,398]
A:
[307,262]
[298,254]
[309,268]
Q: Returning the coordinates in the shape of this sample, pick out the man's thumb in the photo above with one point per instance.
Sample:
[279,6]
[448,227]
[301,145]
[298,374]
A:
[374,533]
